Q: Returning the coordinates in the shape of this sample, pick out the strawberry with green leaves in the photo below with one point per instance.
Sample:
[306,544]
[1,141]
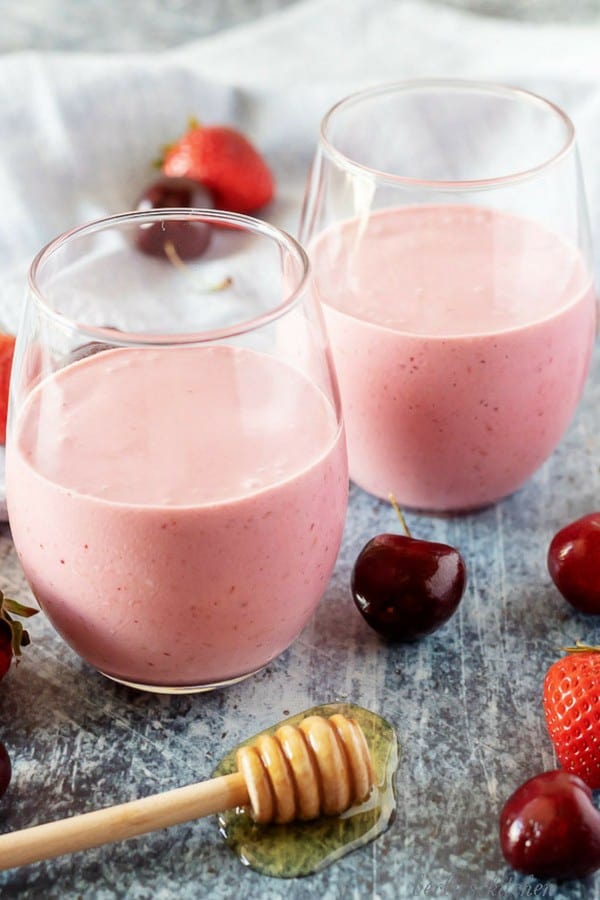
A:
[224,161]
[12,634]
[572,711]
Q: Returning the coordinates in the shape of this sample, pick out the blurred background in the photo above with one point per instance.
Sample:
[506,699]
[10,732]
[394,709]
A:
[146,25]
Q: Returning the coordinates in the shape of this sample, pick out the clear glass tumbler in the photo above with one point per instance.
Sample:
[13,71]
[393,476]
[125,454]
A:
[176,464]
[447,230]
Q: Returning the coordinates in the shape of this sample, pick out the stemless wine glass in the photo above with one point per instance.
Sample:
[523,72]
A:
[446,226]
[176,464]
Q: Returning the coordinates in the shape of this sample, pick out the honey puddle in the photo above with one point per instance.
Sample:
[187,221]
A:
[302,848]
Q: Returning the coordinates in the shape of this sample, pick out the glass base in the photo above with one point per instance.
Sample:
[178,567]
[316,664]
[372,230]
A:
[181,689]
[433,510]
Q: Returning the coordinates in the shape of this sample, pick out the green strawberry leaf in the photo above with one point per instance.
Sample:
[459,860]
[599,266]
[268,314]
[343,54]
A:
[19,637]
[18,609]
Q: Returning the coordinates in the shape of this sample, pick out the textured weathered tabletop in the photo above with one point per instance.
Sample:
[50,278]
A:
[466,701]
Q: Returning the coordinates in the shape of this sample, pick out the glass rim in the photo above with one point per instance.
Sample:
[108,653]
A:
[136,338]
[455,84]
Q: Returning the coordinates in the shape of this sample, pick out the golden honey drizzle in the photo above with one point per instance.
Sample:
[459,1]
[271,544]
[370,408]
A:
[303,847]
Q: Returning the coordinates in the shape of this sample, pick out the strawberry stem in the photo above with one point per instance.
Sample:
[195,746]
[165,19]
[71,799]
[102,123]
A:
[405,528]
[17,636]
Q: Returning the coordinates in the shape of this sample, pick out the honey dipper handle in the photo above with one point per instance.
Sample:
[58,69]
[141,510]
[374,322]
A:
[116,823]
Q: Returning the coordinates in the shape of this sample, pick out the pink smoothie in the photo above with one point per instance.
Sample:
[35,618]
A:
[177,512]
[462,338]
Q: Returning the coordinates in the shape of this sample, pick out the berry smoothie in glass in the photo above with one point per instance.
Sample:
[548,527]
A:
[176,482]
[451,256]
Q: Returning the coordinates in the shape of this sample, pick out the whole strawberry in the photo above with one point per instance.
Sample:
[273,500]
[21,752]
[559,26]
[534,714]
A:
[572,711]
[12,634]
[224,161]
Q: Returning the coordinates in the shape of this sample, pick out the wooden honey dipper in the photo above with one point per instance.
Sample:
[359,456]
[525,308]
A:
[320,767]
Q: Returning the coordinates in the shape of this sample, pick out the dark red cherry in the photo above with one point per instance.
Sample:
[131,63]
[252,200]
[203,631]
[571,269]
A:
[5,769]
[574,563]
[550,828]
[183,239]
[406,588]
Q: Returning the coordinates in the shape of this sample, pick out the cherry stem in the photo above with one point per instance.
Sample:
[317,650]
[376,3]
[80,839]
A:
[175,260]
[580,647]
[394,503]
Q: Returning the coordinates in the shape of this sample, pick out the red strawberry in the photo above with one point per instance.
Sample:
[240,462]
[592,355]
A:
[572,711]
[7,347]
[12,634]
[225,162]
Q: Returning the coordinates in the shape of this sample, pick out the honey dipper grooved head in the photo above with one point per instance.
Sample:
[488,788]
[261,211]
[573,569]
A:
[321,767]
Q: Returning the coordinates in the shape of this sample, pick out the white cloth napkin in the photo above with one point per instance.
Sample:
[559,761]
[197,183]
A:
[78,132]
